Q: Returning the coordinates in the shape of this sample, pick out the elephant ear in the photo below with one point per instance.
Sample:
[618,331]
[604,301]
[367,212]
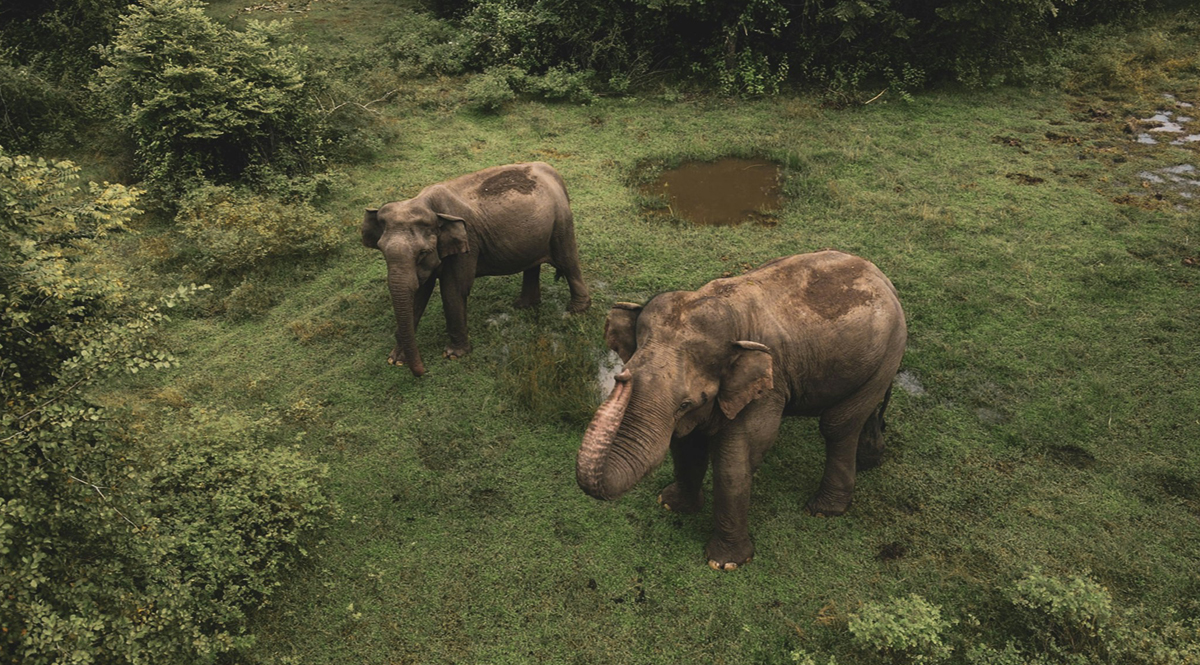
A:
[620,329]
[452,235]
[372,229]
[748,377]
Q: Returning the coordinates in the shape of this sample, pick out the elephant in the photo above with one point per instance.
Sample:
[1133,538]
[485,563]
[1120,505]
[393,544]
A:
[709,374]
[499,221]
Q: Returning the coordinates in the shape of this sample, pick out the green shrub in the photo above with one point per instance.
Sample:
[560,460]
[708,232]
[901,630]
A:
[233,231]
[120,542]
[490,91]
[1071,615]
[423,45]
[902,630]
[203,101]
[250,300]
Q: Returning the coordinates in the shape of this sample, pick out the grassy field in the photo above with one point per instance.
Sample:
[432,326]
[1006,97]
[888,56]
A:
[1054,334]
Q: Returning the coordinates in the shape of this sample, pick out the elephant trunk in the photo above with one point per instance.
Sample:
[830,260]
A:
[620,445]
[402,288]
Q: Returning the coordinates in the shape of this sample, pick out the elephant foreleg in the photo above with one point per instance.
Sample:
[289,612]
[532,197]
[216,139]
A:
[690,456]
[420,300]
[454,303]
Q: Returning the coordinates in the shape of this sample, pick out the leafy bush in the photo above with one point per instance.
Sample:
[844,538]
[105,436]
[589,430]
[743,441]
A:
[232,231]
[117,546]
[424,45]
[1071,615]
[490,91]
[903,630]
[203,101]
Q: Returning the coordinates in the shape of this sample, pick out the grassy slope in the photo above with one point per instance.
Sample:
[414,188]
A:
[1054,330]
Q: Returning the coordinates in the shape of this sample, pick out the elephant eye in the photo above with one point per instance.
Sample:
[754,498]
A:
[687,404]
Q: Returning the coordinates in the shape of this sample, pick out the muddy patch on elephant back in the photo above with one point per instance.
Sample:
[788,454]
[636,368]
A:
[721,193]
[512,180]
[832,293]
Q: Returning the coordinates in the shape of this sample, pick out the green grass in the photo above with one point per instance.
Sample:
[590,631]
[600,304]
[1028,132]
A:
[1055,331]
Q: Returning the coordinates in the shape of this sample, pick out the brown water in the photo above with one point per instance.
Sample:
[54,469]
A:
[727,191]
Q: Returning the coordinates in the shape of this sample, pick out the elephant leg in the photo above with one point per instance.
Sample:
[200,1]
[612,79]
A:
[870,440]
[564,255]
[690,456]
[733,457]
[841,427]
[421,299]
[531,288]
[454,302]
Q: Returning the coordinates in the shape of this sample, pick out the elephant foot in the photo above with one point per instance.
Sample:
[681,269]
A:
[526,303]
[396,357]
[674,499]
[727,556]
[828,504]
[578,305]
[455,352]
[868,460]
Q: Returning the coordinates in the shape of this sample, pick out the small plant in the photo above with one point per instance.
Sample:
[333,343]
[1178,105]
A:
[902,630]
[1071,615]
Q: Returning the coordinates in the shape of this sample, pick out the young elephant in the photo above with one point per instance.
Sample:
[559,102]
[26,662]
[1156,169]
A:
[498,221]
[709,374]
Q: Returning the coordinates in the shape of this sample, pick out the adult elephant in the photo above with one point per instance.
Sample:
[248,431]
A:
[498,221]
[709,374]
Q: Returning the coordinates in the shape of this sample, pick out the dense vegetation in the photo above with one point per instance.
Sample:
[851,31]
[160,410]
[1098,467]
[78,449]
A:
[248,480]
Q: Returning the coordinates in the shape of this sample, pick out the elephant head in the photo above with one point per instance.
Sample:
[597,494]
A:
[684,369]
[415,236]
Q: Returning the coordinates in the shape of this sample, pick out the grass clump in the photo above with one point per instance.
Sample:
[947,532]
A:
[551,367]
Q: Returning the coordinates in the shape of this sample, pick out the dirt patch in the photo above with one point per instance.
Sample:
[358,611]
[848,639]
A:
[725,192]
[832,294]
[891,551]
[513,180]
[1025,179]
[1072,456]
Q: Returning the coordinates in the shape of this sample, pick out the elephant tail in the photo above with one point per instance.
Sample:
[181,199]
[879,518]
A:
[558,273]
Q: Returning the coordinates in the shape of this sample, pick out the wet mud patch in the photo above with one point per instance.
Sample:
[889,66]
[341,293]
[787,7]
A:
[720,193]
[891,551]
[1072,456]
[1025,179]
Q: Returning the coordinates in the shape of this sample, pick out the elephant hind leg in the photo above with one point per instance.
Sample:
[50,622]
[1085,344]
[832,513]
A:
[531,288]
[870,441]
[564,256]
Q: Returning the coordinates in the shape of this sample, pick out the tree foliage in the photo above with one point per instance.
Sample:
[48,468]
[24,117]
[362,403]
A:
[116,546]
[754,46]
[203,101]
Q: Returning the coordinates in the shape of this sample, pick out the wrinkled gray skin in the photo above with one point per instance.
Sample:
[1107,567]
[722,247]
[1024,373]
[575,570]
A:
[498,221]
[709,374]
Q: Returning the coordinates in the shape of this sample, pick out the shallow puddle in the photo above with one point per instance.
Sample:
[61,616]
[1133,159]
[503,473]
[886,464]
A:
[724,192]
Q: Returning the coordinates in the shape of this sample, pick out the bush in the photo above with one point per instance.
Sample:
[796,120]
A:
[424,45]
[204,102]
[490,91]
[1071,616]
[233,231]
[117,546]
[902,630]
